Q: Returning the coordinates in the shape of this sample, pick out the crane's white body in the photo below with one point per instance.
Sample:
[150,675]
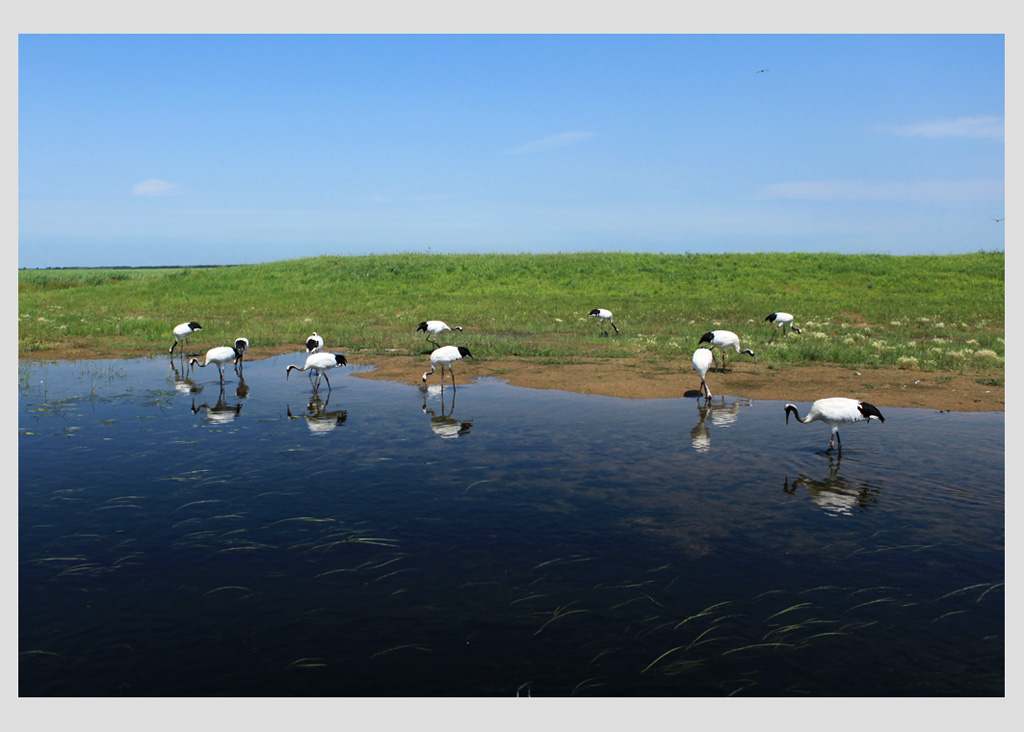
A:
[434,328]
[781,320]
[315,343]
[219,356]
[835,412]
[182,332]
[445,356]
[723,339]
[603,315]
[320,363]
[702,360]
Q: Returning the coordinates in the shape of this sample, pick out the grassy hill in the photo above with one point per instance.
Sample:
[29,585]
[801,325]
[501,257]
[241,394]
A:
[942,313]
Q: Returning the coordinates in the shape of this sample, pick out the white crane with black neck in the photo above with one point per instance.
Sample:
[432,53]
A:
[434,328]
[219,357]
[781,320]
[834,412]
[702,360]
[320,363]
[723,339]
[443,357]
[602,316]
[315,343]
[181,333]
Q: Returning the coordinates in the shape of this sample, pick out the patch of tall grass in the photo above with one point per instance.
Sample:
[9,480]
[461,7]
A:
[941,313]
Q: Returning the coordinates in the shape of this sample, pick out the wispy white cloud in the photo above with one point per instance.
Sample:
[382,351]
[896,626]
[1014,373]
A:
[980,126]
[985,189]
[155,187]
[554,142]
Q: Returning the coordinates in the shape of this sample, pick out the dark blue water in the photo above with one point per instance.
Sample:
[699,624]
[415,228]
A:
[383,540]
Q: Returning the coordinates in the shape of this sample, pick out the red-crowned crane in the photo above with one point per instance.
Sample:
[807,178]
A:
[603,315]
[219,356]
[837,411]
[320,363]
[181,333]
[781,320]
[702,360]
[434,328]
[446,356]
[241,346]
[722,339]
[315,343]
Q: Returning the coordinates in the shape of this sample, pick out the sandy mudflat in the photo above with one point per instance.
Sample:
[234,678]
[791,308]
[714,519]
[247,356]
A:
[634,379]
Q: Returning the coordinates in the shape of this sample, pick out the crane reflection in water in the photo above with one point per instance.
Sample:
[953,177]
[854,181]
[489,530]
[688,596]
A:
[318,419]
[444,425]
[718,412]
[834,494]
[183,381]
[221,412]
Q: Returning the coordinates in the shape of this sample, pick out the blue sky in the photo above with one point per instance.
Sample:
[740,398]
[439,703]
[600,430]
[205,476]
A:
[211,149]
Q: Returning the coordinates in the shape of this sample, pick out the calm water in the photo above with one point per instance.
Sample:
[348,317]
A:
[177,539]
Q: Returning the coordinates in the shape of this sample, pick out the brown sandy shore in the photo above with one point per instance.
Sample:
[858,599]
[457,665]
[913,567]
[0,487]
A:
[635,379]
[638,379]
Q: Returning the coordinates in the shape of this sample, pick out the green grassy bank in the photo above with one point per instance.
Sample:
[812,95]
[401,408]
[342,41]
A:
[943,313]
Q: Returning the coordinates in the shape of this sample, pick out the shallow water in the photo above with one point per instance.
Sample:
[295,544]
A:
[381,539]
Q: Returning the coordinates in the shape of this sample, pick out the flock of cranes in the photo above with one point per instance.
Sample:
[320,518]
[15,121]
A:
[833,411]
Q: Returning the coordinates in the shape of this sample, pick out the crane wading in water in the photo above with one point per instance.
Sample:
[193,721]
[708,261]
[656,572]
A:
[837,411]
[446,356]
